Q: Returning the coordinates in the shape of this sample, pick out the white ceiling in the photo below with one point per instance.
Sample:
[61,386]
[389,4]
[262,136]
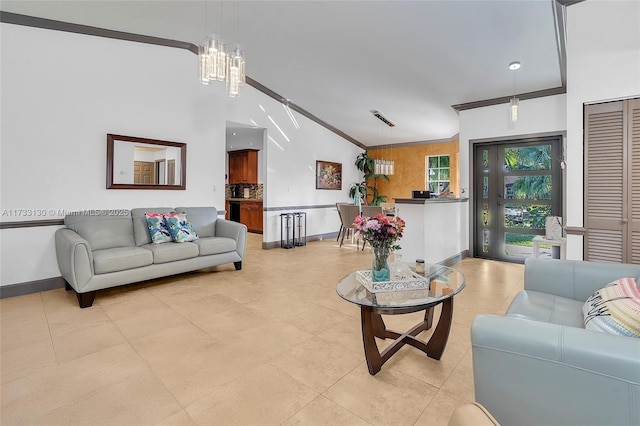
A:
[338,60]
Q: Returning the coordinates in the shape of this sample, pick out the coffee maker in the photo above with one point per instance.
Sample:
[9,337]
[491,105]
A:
[236,191]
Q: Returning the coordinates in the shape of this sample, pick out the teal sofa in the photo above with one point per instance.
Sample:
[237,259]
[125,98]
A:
[538,365]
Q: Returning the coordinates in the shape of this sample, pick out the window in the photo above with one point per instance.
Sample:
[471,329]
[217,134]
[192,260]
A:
[438,174]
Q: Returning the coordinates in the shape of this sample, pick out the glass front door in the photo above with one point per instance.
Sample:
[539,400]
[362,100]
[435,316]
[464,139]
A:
[517,185]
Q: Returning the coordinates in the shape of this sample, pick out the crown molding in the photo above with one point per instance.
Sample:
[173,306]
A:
[50,24]
[506,99]
[559,17]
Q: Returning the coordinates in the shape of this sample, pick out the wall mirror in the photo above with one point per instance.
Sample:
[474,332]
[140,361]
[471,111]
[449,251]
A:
[138,163]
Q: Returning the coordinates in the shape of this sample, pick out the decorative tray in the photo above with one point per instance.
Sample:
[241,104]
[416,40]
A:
[413,282]
[400,296]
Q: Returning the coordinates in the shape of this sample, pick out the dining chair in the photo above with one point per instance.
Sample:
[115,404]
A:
[341,230]
[348,214]
[371,211]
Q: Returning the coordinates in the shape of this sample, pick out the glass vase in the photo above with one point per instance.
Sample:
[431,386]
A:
[380,266]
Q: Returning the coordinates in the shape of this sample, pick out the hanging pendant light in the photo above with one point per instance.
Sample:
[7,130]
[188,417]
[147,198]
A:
[513,108]
[203,64]
[214,63]
[218,58]
[235,63]
[382,166]
[514,103]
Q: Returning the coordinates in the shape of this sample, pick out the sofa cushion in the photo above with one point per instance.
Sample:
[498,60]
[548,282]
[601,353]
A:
[203,219]
[215,245]
[614,309]
[545,307]
[139,220]
[180,228]
[120,259]
[102,231]
[158,229]
[170,252]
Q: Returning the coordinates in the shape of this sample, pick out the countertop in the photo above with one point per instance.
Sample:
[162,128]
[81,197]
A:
[258,200]
[429,200]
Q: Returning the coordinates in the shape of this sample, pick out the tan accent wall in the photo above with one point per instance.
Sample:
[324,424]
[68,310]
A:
[410,168]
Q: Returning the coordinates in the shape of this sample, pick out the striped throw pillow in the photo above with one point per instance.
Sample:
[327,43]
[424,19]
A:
[614,309]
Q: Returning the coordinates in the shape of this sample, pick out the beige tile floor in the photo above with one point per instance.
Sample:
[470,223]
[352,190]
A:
[269,345]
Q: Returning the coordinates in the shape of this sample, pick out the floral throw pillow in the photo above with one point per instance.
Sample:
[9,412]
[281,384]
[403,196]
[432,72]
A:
[180,228]
[158,229]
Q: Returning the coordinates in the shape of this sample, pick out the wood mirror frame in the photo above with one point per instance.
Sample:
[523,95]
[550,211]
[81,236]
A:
[181,174]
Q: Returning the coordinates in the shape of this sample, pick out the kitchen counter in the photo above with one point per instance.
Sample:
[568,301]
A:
[437,228]
[429,200]
[248,211]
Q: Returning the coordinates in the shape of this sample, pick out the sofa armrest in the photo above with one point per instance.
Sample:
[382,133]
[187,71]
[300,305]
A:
[573,279]
[75,259]
[535,373]
[234,230]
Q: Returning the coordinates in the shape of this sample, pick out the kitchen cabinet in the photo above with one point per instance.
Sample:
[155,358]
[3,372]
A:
[251,215]
[243,166]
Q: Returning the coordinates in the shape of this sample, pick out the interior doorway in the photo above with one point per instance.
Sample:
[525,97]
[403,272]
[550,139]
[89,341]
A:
[518,183]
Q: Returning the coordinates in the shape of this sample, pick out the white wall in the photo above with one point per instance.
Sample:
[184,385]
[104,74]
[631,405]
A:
[289,178]
[536,116]
[59,103]
[603,63]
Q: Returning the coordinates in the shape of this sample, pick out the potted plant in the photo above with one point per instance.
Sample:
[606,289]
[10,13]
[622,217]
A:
[366,165]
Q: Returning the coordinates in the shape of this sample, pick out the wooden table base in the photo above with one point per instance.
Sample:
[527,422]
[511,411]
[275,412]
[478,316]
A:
[373,326]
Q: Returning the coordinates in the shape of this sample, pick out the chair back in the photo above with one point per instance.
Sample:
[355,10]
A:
[348,214]
[371,211]
[339,210]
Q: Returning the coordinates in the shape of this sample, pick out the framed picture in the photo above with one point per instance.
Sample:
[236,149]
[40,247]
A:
[328,175]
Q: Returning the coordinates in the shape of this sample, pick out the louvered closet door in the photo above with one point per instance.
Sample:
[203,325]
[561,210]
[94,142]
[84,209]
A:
[604,182]
[612,181]
[634,170]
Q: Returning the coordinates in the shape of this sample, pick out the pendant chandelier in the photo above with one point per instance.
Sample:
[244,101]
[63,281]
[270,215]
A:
[513,104]
[381,166]
[217,64]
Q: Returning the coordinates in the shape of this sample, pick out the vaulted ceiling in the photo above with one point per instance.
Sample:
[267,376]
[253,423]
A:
[338,60]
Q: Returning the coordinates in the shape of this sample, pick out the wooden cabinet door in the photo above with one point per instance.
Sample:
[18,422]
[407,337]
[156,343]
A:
[243,167]
[251,215]
[250,166]
[256,217]
[244,214]
[235,168]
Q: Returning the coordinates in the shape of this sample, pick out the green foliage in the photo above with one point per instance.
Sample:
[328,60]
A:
[358,188]
[532,217]
[528,158]
[366,165]
[532,187]
[536,187]
[518,239]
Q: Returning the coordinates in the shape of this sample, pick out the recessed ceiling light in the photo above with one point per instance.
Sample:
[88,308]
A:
[514,66]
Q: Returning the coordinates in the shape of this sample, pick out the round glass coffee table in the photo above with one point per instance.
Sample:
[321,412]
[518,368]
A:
[442,284]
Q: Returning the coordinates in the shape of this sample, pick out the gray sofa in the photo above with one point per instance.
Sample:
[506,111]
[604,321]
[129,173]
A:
[538,365]
[106,250]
